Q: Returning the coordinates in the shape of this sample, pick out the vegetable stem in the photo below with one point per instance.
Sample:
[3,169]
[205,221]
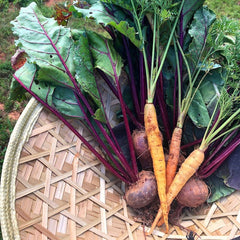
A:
[114,91]
[126,123]
[213,166]
[153,84]
[99,140]
[132,80]
[153,75]
[178,76]
[124,178]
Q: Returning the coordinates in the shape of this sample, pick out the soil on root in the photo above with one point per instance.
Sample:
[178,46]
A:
[147,214]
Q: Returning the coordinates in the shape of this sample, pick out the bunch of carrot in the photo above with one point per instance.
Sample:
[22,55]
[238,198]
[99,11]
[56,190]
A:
[226,122]
[168,184]
[175,182]
[150,116]
[169,181]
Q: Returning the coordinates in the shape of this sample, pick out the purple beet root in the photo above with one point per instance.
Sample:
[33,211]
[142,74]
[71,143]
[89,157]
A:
[141,149]
[143,192]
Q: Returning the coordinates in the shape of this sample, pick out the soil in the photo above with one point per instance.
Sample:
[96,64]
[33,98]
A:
[2,57]
[52,2]
[14,115]
[1,107]
[147,214]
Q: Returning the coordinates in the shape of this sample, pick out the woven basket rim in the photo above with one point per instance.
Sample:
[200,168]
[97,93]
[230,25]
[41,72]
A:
[19,137]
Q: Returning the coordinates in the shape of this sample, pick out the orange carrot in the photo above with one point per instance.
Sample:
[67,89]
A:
[174,152]
[186,171]
[157,154]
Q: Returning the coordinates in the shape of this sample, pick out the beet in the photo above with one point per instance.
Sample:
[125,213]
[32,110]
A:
[194,193]
[141,149]
[143,192]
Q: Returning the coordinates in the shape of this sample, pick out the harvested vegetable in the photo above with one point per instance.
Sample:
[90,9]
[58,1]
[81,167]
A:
[171,60]
[141,149]
[155,18]
[143,192]
[226,121]
[186,171]
[59,73]
[157,153]
[194,193]
[174,153]
[185,103]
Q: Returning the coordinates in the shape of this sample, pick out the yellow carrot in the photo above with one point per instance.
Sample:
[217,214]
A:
[186,171]
[156,150]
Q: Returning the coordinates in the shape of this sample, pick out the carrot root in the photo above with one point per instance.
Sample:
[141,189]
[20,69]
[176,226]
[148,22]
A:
[186,171]
[160,222]
[156,150]
[174,152]
[155,222]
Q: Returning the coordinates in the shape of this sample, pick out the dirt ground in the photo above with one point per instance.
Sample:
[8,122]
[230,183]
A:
[52,2]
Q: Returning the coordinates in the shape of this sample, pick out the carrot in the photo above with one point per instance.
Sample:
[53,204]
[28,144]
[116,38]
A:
[156,150]
[174,152]
[186,171]
[183,107]
[153,71]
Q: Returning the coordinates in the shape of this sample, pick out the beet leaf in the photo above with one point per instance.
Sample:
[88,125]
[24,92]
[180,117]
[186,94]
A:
[59,72]
[98,12]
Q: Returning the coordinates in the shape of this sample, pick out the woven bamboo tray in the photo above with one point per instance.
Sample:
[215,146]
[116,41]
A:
[52,187]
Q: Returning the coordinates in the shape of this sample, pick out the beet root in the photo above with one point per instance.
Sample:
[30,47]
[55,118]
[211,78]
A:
[141,149]
[143,192]
[194,193]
